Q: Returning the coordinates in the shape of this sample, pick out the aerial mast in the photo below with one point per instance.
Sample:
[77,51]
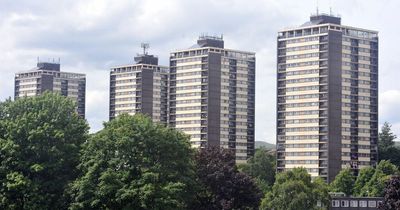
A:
[145,46]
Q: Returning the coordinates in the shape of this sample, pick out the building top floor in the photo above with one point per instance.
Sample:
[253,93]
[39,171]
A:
[204,51]
[322,24]
[210,44]
[45,68]
[138,68]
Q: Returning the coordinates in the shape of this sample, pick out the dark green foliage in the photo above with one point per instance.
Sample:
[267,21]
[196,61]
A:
[262,168]
[40,139]
[293,190]
[222,186]
[392,154]
[391,194]
[344,182]
[135,164]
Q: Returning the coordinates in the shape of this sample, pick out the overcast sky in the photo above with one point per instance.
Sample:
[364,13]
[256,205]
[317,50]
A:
[90,36]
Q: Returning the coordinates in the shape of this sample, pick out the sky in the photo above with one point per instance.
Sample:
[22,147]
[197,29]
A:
[93,35]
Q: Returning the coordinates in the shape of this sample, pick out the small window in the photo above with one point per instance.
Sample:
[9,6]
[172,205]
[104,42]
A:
[363,203]
[353,203]
[372,204]
[335,203]
[344,203]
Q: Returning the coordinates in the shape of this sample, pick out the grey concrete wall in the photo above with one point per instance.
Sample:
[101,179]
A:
[214,98]
[334,103]
[147,92]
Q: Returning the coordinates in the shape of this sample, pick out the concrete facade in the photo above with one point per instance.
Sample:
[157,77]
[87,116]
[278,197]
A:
[140,88]
[212,96]
[327,111]
[48,77]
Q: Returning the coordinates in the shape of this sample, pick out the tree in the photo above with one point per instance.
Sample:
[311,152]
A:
[391,194]
[222,186]
[262,168]
[294,190]
[386,137]
[374,187]
[40,139]
[343,182]
[391,154]
[386,146]
[321,191]
[134,163]
[363,178]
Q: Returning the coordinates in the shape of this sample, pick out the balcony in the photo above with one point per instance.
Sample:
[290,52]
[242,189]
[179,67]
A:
[323,80]
[323,138]
[323,96]
[323,89]
[323,47]
[323,147]
[323,155]
[323,122]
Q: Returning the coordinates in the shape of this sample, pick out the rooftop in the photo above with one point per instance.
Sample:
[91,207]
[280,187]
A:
[322,19]
[146,59]
[48,66]
[209,41]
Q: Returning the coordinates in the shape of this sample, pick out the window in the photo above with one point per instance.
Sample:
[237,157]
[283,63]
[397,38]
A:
[372,204]
[363,203]
[353,203]
[335,203]
[344,203]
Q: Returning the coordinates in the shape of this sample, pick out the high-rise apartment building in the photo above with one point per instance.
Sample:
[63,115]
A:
[140,88]
[212,95]
[327,111]
[48,77]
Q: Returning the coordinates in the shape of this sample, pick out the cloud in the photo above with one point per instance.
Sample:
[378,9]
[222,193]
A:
[93,35]
[389,103]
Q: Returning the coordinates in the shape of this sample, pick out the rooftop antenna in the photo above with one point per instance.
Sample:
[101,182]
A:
[317,8]
[145,46]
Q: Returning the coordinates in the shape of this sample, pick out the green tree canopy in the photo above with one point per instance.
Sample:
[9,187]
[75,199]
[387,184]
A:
[363,178]
[134,163]
[294,190]
[343,182]
[40,139]
[222,186]
[262,168]
[374,187]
